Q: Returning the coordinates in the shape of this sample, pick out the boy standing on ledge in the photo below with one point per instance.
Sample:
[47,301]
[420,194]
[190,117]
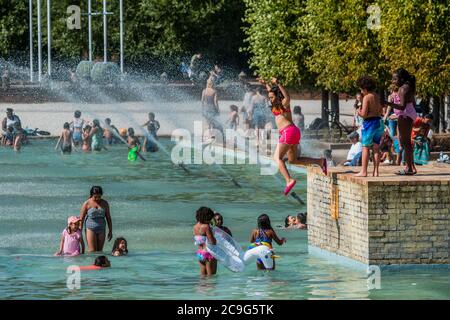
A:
[372,127]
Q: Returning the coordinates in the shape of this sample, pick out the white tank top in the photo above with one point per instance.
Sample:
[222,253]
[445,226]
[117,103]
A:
[11,123]
[78,123]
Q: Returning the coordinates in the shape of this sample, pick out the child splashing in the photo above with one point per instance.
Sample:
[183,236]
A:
[289,134]
[71,239]
[264,235]
[202,232]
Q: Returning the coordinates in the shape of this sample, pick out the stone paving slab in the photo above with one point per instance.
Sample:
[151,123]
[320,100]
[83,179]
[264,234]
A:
[431,174]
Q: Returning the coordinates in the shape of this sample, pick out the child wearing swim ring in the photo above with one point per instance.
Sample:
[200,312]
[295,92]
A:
[202,232]
[264,235]
[120,247]
[71,239]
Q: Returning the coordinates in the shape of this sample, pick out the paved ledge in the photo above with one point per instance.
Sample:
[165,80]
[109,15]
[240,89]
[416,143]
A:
[431,174]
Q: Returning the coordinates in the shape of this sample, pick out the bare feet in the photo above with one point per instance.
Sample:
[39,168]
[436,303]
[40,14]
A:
[361,174]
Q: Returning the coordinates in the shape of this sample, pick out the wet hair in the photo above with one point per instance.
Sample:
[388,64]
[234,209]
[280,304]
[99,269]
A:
[367,83]
[101,261]
[297,110]
[66,125]
[277,92]
[264,222]
[77,114]
[302,217]
[151,115]
[407,78]
[130,131]
[96,190]
[96,123]
[286,221]
[117,243]
[204,215]
[234,108]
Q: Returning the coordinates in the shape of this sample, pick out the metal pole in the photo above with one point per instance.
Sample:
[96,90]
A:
[105,34]
[39,40]
[31,39]
[49,39]
[121,35]
[90,29]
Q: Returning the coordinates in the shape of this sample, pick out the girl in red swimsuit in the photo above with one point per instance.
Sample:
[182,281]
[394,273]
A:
[289,134]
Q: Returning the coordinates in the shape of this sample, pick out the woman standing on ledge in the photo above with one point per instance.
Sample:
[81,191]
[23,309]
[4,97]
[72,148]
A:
[289,134]
[406,113]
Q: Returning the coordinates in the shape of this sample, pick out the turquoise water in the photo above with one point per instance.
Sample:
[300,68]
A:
[153,206]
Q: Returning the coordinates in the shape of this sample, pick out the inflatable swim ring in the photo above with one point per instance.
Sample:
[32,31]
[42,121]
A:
[226,250]
[91,267]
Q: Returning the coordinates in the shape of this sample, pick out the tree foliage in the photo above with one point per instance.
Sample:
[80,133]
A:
[276,40]
[331,40]
[415,35]
[343,48]
[158,31]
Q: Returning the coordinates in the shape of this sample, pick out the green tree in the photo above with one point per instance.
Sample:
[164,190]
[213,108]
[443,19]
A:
[13,30]
[276,40]
[415,36]
[157,31]
[343,47]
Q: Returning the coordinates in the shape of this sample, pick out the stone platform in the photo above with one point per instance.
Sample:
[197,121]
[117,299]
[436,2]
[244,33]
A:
[382,220]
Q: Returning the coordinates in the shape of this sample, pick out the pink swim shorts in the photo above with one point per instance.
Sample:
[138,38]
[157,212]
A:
[290,135]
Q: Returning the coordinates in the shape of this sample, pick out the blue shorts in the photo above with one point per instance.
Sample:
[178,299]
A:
[77,136]
[372,131]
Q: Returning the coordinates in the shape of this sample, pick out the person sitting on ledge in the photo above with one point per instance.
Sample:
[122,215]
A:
[355,152]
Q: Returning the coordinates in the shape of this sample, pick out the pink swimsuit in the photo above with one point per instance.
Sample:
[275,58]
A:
[202,255]
[71,243]
[290,134]
[409,111]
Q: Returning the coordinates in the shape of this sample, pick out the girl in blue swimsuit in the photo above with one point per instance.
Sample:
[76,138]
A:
[264,235]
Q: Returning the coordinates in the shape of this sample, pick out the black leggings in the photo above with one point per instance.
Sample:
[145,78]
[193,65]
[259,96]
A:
[405,125]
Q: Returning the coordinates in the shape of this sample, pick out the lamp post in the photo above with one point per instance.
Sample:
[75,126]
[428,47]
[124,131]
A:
[105,33]
[39,31]
[31,38]
[49,39]
[90,28]
[121,35]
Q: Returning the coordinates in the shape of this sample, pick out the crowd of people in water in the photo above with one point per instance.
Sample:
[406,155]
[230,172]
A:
[95,219]
[380,126]
[86,136]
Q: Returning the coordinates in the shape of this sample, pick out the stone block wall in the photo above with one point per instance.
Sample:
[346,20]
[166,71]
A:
[379,222]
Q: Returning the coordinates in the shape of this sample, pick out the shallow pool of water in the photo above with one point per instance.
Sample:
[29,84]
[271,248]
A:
[153,206]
